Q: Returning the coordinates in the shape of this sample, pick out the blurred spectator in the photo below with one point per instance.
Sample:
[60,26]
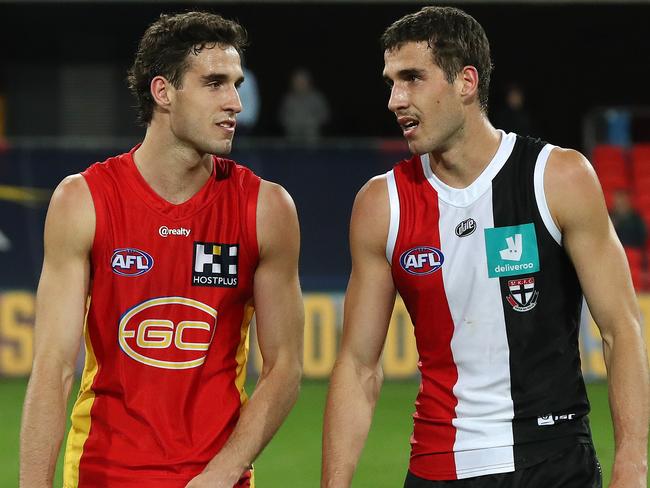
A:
[5,243]
[619,130]
[250,100]
[513,116]
[628,223]
[304,109]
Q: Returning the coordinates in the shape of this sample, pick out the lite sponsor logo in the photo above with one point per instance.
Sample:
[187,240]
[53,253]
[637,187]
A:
[466,227]
[523,295]
[168,332]
[215,264]
[551,419]
[422,260]
[511,250]
[165,231]
[130,262]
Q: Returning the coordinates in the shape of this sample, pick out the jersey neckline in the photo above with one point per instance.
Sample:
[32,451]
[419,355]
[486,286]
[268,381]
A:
[464,197]
[162,206]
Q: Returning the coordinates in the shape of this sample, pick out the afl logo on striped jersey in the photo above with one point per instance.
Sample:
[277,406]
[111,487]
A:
[422,260]
[131,262]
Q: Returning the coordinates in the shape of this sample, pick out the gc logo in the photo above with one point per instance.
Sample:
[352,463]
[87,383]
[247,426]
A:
[168,332]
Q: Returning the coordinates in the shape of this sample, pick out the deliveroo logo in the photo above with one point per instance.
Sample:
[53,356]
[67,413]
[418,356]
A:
[511,250]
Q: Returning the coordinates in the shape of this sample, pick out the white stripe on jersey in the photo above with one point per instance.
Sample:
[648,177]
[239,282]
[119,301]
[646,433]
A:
[540,194]
[463,197]
[479,346]
[393,227]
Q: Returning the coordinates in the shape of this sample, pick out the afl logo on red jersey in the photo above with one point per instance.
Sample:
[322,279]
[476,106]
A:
[168,332]
[422,260]
[131,262]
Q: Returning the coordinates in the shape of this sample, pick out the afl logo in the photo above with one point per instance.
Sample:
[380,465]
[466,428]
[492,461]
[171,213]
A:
[130,262]
[168,332]
[422,260]
[466,227]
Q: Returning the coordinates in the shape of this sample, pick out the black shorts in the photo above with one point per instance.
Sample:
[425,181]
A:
[576,467]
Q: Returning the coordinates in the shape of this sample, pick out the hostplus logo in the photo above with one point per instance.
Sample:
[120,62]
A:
[215,264]
[511,250]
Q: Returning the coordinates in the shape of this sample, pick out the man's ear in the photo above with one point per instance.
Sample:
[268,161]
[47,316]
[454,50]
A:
[162,91]
[468,81]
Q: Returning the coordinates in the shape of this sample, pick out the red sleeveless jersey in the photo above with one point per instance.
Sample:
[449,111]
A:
[166,330]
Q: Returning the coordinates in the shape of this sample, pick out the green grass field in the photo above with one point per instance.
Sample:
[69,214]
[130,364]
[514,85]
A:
[293,457]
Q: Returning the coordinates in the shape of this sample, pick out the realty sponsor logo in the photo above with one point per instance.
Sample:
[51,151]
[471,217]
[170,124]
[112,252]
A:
[165,231]
[523,296]
[551,419]
[511,250]
[422,260]
[215,264]
[466,227]
[130,262]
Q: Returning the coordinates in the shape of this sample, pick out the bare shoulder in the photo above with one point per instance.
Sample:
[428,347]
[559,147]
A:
[371,215]
[71,215]
[572,187]
[73,190]
[565,166]
[371,204]
[274,199]
[277,218]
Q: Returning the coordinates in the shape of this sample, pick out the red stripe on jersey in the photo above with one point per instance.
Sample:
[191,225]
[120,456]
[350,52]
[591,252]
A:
[419,280]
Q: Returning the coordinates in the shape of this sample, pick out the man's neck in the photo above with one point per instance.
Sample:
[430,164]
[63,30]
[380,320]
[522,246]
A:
[175,171]
[468,154]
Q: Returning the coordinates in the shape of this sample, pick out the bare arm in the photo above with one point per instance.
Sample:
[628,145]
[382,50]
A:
[60,307]
[357,376]
[577,205]
[280,321]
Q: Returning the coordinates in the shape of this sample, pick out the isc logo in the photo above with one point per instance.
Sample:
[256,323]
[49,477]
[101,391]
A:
[168,332]
[422,260]
[131,262]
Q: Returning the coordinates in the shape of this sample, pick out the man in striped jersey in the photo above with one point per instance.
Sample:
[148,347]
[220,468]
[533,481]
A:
[491,239]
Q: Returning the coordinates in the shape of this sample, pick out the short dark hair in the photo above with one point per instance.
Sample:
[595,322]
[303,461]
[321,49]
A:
[164,48]
[455,38]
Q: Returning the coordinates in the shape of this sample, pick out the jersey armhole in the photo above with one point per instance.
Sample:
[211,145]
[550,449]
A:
[98,209]
[250,217]
[393,226]
[540,194]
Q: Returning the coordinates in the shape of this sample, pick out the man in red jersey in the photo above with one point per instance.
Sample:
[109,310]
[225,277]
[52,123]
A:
[166,250]
[491,239]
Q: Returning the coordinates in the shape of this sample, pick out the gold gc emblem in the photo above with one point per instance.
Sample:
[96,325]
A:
[168,332]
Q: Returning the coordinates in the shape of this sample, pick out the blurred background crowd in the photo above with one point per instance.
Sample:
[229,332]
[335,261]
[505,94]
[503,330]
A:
[315,118]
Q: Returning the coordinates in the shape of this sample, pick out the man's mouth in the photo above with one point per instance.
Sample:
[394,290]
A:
[228,125]
[408,124]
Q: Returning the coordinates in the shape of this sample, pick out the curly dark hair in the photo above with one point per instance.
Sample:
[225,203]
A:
[456,40]
[165,46]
